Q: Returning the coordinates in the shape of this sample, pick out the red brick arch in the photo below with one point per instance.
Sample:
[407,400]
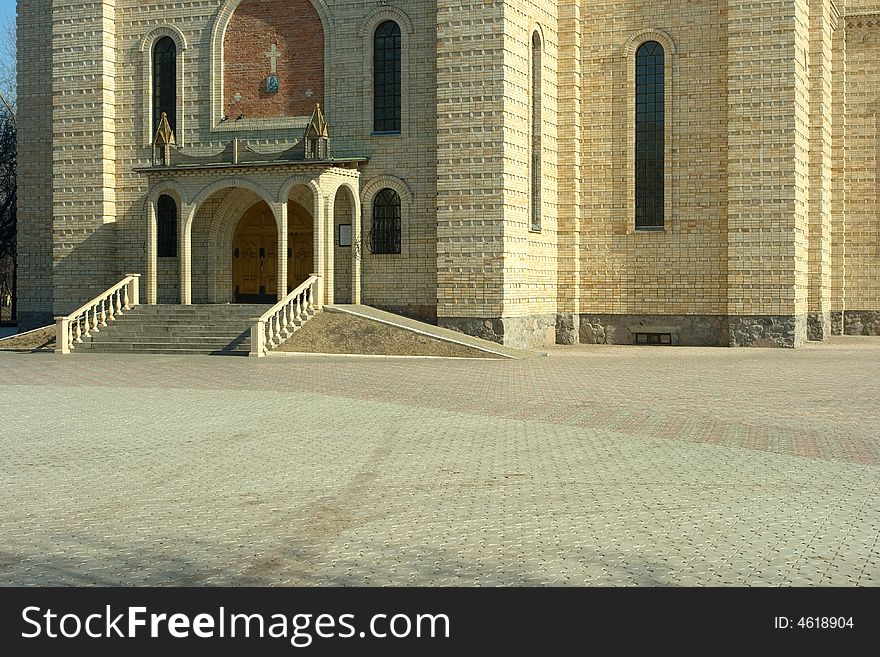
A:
[296,28]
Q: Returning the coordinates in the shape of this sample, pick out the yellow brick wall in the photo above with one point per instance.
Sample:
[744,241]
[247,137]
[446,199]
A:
[530,266]
[470,158]
[409,278]
[34,125]
[681,270]
[862,249]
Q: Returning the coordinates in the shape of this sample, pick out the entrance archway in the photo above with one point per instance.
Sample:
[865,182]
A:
[255,253]
[255,256]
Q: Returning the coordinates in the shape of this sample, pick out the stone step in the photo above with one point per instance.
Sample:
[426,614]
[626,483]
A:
[170,351]
[200,329]
[152,338]
[123,346]
[223,326]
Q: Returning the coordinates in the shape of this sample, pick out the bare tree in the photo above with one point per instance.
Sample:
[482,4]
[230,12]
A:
[8,157]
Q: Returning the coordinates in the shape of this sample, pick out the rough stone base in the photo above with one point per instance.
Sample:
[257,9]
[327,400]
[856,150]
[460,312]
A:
[423,313]
[836,323]
[32,320]
[819,326]
[861,322]
[567,328]
[685,330]
[768,330]
[698,330]
[520,332]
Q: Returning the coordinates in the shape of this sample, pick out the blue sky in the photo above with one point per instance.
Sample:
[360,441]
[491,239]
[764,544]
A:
[7,10]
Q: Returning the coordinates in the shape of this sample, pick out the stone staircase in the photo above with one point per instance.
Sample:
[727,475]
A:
[169,329]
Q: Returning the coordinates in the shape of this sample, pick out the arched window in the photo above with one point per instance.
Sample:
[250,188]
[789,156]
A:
[166,217]
[165,81]
[650,137]
[386,78]
[537,123]
[385,231]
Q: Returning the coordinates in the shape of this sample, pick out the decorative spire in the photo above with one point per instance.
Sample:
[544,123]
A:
[164,133]
[317,137]
[318,128]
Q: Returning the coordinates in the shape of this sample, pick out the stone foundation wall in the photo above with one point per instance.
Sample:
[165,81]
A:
[700,330]
[567,328]
[837,323]
[686,330]
[819,326]
[861,322]
[522,332]
[768,330]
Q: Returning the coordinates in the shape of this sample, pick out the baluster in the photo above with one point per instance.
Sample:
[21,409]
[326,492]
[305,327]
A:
[125,298]
[70,337]
[111,311]
[78,331]
[88,325]
[285,317]
[297,310]
[270,333]
[277,329]
[118,301]
[95,321]
[103,312]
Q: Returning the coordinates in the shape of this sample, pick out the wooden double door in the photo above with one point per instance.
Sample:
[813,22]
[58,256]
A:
[255,253]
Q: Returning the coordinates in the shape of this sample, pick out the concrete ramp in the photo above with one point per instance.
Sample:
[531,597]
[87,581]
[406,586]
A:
[431,331]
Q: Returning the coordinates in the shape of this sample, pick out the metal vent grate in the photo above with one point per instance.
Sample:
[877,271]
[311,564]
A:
[653,338]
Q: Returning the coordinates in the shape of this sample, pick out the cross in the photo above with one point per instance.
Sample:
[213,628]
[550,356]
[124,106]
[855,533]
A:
[273,56]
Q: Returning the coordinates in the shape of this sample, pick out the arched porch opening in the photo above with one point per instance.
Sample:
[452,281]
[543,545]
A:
[346,246]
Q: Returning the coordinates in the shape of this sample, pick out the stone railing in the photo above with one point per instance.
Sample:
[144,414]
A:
[93,316]
[281,320]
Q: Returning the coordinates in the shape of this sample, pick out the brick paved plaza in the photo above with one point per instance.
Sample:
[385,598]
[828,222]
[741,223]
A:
[592,466]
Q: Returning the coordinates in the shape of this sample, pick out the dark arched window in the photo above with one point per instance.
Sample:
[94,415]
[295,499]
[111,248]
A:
[385,231]
[166,218]
[537,123]
[650,137]
[386,78]
[165,81]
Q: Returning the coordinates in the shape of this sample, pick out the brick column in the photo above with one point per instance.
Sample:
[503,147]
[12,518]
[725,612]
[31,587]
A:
[84,55]
[570,131]
[821,154]
[151,282]
[280,212]
[319,224]
[768,172]
[184,253]
[838,175]
[357,257]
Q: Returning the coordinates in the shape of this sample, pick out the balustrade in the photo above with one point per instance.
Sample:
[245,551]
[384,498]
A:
[280,322]
[94,315]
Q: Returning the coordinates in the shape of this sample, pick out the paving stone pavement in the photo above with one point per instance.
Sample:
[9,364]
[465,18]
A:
[596,465]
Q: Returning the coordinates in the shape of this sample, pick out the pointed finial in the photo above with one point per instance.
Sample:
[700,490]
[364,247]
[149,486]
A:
[164,133]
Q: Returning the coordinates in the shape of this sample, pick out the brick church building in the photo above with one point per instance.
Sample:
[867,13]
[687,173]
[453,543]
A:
[529,171]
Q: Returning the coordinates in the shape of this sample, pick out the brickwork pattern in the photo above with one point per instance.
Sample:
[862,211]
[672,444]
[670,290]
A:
[296,31]
[863,159]
[34,175]
[771,131]
[681,269]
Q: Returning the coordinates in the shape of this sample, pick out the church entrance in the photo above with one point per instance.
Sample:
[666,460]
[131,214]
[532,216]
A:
[255,257]
[255,253]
